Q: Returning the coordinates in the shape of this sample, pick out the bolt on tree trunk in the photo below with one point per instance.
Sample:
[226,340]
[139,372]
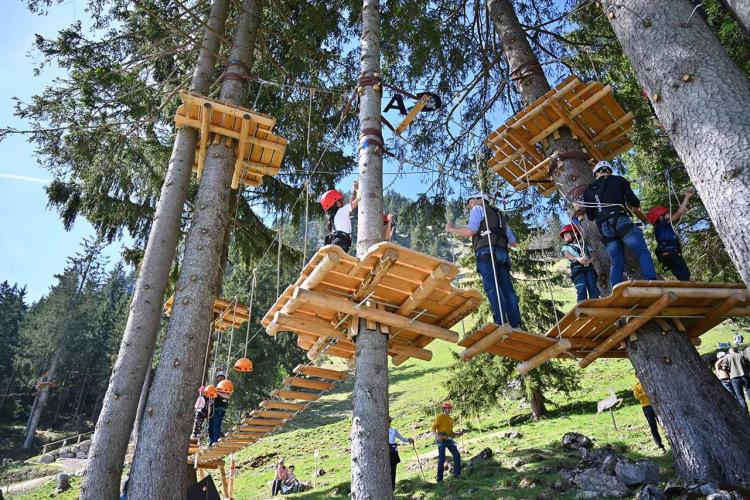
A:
[701,98]
[369,433]
[110,441]
[167,421]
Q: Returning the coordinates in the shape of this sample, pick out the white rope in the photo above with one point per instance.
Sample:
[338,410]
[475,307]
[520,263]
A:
[231,334]
[250,314]
[307,221]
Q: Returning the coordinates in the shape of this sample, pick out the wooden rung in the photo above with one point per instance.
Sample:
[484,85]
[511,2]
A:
[261,428]
[282,405]
[298,395]
[272,414]
[314,371]
[251,423]
[317,385]
[556,349]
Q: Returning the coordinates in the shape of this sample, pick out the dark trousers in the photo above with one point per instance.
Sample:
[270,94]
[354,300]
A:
[339,238]
[451,446]
[276,487]
[498,275]
[586,283]
[395,460]
[214,424]
[727,385]
[650,414]
[739,385]
[677,265]
[200,417]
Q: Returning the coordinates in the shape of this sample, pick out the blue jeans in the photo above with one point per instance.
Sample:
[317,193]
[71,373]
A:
[586,284]
[508,300]
[214,424]
[634,241]
[676,263]
[739,385]
[451,445]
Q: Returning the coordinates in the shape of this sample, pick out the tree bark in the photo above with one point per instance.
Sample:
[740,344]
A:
[141,408]
[571,176]
[119,408]
[40,402]
[167,420]
[369,433]
[536,401]
[701,98]
[700,418]
[740,10]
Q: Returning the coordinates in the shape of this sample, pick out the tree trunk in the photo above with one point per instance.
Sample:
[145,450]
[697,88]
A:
[571,176]
[369,434]
[536,401]
[702,99]
[167,421]
[119,408]
[701,419]
[141,408]
[40,402]
[740,10]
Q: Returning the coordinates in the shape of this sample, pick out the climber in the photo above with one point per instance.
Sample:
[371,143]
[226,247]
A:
[395,459]
[389,226]
[338,213]
[648,412]
[224,389]
[442,429]
[607,201]
[582,270]
[668,247]
[489,243]
[204,407]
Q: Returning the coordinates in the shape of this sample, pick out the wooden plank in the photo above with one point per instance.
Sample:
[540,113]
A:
[282,405]
[590,101]
[272,414]
[241,147]
[481,346]
[713,316]
[669,312]
[314,371]
[295,395]
[619,123]
[556,349]
[428,286]
[624,332]
[203,137]
[683,292]
[317,385]
[412,114]
[251,423]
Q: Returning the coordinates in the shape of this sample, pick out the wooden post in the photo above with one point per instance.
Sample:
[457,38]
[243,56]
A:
[224,485]
[320,271]
[624,332]
[560,346]
[231,476]
[241,148]
[481,346]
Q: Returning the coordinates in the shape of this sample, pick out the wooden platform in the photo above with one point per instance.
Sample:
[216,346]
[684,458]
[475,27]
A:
[590,112]
[259,151]
[597,328]
[269,417]
[408,293]
[227,314]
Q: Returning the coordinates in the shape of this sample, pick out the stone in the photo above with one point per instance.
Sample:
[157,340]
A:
[67,455]
[702,489]
[84,446]
[575,441]
[608,465]
[600,484]
[674,488]
[320,472]
[511,434]
[637,473]
[720,495]
[651,492]
[63,482]
[482,456]
[82,454]
[518,462]
[46,459]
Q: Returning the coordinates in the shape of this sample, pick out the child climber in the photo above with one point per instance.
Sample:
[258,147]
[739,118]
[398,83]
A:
[668,248]
[582,270]
[203,408]
[338,216]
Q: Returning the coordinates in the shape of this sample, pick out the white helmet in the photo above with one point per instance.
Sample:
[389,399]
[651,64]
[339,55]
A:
[603,165]
[477,194]
[221,373]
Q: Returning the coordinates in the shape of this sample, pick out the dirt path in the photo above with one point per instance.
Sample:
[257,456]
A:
[69,465]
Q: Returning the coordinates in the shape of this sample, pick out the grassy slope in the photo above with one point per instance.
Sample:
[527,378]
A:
[415,388]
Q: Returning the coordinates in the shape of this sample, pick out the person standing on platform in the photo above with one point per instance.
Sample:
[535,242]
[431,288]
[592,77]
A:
[649,413]
[338,216]
[395,459]
[491,239]
[607,200]
[738,371]
[582,271]
[668,246]
[442,429]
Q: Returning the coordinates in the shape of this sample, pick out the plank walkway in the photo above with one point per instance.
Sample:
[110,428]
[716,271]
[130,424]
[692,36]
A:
[227,314]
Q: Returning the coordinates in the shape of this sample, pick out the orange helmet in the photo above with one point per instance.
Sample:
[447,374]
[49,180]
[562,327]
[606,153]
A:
[210,391]
[568,228]
[330,198]
[656,213]
[447,405]
[243,365]
[225,386]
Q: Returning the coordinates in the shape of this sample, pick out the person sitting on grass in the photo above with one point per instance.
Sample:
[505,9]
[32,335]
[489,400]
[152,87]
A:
[582,270]
[290,484]
[281,473]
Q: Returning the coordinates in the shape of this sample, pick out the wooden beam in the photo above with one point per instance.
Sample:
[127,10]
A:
[298,395]
[241,148]
[330,302]
[230,109]
[554,350]
[282,405]
[619,123]
[713,317]
[428,286]
[481,345]
[669,312]
[225,486]
[320,271]
[412,114]
[400,348]
[314,371]
[469,305]
[590,101]
[527,147]
[614,340]
[203,139]
[379,270]
[305,383]
[583,138]
[649,292]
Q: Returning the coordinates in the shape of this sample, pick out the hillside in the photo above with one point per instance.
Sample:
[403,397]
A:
[523,467]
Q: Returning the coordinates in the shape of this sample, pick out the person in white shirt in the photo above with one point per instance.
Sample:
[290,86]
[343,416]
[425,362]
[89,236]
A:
[393,434]
[338,214]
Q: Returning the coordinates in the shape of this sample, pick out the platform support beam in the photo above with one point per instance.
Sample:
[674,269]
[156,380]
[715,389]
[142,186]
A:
[559,347]
[481,346]
[713,317]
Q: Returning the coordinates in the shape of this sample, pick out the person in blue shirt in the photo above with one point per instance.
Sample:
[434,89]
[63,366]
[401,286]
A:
[491,239]
[582,270]
[668,247]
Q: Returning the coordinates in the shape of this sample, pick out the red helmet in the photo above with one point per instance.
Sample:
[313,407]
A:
[330,198]
[656,213]
[447,405]
[568,228]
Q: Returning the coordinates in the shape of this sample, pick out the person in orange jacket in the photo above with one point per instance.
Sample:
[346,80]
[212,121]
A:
[648,411]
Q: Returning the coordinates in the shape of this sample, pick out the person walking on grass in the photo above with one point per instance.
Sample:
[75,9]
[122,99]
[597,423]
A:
[738,368]
[649,413]
[442,429]
[395,459]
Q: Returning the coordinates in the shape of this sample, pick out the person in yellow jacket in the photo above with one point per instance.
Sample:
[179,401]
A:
[442,429]
[648,411]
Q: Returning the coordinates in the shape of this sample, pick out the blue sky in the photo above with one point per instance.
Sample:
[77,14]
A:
[33,243]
